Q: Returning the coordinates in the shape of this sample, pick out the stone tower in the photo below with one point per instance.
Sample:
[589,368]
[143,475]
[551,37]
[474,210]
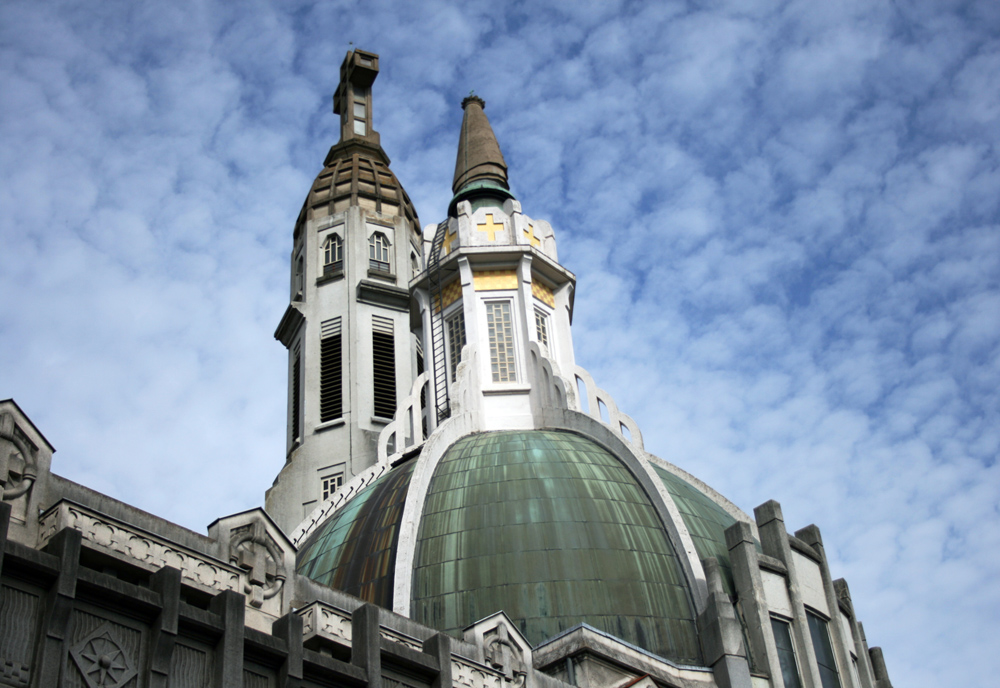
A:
[356,244]
[494,289]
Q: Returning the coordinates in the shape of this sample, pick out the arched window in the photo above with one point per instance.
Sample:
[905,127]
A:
[378,252]
[333,254]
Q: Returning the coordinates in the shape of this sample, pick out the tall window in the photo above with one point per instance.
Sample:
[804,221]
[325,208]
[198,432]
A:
[331,395]
[295,392]
[360,111]
[824,651]
[542,328]
[501,333]
[786,653]
[378,252]
[333,254]
[384,367]
[456,340]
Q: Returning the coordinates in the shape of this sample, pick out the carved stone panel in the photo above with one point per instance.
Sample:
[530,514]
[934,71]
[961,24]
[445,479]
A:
[18,627]
[105,653]
[139,547]
[190,666]
[320,619]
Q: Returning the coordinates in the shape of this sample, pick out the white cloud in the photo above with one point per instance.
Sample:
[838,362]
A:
[783,218]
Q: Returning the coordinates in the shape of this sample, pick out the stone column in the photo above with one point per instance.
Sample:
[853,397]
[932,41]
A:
[811,536]
[58,608]
[230,607]
[750,592]
[166,582]
[774,542]
[721,636]
[366,643]
[439,647]
[289,629]
[878,667]
[857,636]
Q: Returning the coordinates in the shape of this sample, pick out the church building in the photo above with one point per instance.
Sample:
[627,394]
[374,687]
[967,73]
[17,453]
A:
[460,505]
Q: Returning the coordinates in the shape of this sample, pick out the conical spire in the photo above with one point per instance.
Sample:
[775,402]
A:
[479,157]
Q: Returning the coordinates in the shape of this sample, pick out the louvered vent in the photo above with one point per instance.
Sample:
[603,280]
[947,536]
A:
[331,385]
[384,360]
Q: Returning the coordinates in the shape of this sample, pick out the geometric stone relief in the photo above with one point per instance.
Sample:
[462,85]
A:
[392,678]
[469,674]
[14,673]
[18,621]
[102,660]
[504,655]
[190,667]
[256,676]
[397,637]
[142,548]
[323,620]
[256,552]
[20,465]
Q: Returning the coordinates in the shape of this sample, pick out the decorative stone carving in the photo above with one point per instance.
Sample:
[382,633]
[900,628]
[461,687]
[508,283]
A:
[18,465]
[469,674]
[326,621]
[507,653]
[145,549]
[102,660]
[397,637]
[504,655]
[256,552]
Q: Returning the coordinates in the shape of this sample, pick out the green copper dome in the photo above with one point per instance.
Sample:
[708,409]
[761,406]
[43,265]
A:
[548,526]
[552,529]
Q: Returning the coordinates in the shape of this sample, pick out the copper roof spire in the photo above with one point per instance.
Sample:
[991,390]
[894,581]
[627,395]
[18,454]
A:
[479,156]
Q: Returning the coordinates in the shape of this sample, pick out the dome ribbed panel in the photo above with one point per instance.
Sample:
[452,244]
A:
[355,550]
[358,177]
[706,521]
[552,529]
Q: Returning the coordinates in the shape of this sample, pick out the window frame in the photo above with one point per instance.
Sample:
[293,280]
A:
[453,358]
[337,479]
[511,357]
[818,623]
[332,246]
[543,328]
[795,664]
[379,245]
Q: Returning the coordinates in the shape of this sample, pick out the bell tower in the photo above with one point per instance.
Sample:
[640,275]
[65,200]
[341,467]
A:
[351,356]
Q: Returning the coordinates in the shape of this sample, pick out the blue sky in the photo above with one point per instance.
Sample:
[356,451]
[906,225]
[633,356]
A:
[783,218]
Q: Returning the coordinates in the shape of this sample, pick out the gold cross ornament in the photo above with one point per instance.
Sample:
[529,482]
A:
[490,227]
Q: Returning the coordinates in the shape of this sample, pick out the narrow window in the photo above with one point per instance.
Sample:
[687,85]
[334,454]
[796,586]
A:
[786,653]
[295,391]
[456,340]
[824,651]
[298,279]
[331,484]
[542,328]
[378,252]
[384,367]
[501,333]
[333,254]
[331,385]
[360,111]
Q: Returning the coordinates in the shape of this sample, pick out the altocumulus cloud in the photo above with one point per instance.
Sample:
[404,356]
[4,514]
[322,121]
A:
[783,218]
